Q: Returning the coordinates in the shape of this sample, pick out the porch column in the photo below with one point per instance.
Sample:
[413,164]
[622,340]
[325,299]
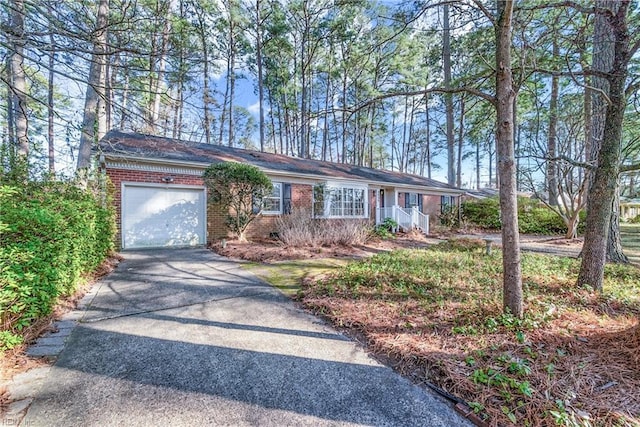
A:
[377,207]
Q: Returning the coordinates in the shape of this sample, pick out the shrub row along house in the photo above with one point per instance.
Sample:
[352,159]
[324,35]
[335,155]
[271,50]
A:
[161,199]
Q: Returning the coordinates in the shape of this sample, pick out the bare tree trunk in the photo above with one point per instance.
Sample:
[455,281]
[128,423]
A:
[260,77]
[88,135]
[615,253]
[460,143]
[428,125]
[505,95]
[125,99]
[231,75]
[102,97]
[448,98]
[552,173]
[603,60]
[112,80]
[343,116]
[19,86]
[605,180]
[232,90]
[162,63]
[478,185]
[11,130]
[225,101]
[206,96]
[403,148]
[325,133]
[303,151]
[50,111]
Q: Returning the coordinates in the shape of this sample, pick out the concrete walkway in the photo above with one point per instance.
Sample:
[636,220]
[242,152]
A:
[185,337]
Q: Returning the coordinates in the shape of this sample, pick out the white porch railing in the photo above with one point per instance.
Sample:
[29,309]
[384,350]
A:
[406,219]
[420,220]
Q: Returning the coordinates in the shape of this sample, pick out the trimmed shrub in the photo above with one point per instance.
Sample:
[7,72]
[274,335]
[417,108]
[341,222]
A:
[239,188]
[483,213]
[51,236]
[300,229]
[536,218]
[533,216]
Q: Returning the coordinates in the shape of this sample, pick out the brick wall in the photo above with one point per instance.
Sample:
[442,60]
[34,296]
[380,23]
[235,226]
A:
[431,207]
[264,225]
[261,227]
[401,199]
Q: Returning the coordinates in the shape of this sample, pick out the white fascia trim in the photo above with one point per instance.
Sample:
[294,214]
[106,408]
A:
[155,165]
[197,168]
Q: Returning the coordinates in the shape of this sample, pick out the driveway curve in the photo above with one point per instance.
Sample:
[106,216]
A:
[186,337]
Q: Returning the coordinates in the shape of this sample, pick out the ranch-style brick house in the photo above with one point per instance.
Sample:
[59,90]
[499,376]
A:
[161,200]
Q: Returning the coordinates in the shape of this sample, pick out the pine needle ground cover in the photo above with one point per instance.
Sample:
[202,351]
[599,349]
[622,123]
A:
[436,315]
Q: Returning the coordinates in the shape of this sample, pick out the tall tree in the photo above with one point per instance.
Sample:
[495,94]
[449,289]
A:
[448,98]
[18,84]
[605,179]
[94,91]
[552,174]
[505,96]
[50,110]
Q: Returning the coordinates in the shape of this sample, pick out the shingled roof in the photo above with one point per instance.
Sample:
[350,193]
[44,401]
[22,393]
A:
[139,146]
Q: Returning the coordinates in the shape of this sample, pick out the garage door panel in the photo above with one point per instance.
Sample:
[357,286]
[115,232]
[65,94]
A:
[162,216]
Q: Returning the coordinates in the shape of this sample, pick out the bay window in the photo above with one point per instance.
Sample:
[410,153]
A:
[339,201]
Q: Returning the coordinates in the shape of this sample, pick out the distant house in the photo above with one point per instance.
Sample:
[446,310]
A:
[482,193]
[629,208]
[160,197]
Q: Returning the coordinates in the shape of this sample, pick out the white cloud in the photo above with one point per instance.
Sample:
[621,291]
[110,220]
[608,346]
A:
[255,108]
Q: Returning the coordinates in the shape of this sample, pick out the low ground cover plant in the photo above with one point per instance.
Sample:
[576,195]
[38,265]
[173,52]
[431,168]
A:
[572,360]
[52,235]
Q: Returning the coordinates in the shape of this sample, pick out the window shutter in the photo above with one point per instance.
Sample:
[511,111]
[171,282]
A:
[286,198]
[420,202]
[406,200]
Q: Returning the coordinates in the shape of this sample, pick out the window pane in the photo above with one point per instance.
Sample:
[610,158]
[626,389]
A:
[340,201]
[277,190]
[272,203]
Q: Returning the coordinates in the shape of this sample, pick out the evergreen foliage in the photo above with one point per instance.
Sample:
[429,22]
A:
[533,216]
[239,189]
[52,235]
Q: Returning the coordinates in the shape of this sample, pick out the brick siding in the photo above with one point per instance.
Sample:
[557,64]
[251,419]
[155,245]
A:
[261,227]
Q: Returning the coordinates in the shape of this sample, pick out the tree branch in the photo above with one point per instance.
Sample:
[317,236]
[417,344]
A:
[469,90]
[633,167]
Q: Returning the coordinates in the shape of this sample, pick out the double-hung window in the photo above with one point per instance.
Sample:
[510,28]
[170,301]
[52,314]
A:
[447,203]
[272,202]
[339,201]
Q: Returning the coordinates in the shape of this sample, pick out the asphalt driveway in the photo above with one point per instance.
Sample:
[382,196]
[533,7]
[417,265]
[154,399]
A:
[185,337]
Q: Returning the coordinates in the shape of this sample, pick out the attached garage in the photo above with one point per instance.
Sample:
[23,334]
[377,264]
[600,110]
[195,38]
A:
[158,215]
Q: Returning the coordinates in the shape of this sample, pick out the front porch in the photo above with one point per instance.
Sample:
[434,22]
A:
[408,218]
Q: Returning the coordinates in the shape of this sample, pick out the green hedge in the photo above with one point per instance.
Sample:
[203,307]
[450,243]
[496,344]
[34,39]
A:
[51,236]
[533,216]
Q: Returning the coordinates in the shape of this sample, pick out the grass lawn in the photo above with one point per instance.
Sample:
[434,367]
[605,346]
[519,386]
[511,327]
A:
[288,275]
[436,315]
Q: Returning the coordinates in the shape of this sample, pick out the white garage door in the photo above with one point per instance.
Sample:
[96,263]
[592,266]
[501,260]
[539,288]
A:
[161,216]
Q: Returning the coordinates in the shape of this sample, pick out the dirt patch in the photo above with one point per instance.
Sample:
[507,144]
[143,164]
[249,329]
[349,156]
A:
[270,250]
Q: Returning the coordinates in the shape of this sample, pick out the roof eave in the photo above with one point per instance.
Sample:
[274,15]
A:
[203,165]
